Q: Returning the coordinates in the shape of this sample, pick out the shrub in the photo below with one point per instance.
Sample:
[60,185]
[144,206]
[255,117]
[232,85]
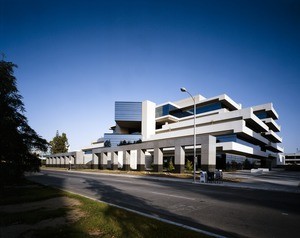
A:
[189,166]
[171,166]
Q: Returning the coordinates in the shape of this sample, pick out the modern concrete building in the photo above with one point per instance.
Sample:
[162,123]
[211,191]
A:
[148,135]
[292,158]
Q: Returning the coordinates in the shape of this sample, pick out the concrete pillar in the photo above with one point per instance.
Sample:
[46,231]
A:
[62,161]
[79,159]
[208,154]
[59,161]
[114,160]
[141,160]
[66,162]
[71,158]
[126,160]
[148,119]
[103,161]
[179,159]
[158,160]
[95,161]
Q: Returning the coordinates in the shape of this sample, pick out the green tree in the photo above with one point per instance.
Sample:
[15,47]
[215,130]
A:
[18,141]
[59,143]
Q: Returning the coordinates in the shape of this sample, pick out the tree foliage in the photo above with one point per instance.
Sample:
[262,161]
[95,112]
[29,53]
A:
[59,143]
[18,141]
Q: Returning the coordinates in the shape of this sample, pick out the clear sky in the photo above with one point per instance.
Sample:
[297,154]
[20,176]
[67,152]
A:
[76,58]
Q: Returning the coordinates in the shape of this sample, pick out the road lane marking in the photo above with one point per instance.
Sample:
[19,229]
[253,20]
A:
[155,216]
[176,196]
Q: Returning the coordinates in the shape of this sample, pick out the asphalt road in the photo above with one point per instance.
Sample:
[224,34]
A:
[232,212]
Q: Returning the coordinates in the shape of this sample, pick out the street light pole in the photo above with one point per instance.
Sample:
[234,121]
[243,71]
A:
[195,156]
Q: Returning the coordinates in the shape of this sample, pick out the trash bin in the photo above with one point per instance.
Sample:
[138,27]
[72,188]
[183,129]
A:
[219,176]
[203,177]
[210,176]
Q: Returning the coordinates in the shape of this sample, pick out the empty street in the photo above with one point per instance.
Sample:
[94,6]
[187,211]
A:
[226,211]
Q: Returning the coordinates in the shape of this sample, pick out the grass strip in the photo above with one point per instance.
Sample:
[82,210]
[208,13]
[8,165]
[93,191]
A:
[99,219]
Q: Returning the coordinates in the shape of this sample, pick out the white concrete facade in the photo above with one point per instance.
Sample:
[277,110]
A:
[222,124]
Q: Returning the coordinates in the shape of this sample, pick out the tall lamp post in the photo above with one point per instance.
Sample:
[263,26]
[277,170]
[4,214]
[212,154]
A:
[195,156]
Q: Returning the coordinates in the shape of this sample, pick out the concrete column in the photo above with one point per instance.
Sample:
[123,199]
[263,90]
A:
[69,161]
[114,160]
[71,158]
[179,159]
[208,154]
[158,160]
[62,161]
[79,159]
[59,161]
[126,160]
[95,161]
[141,160]
[103,161]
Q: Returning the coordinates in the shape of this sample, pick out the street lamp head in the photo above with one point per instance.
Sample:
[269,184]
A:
[183,89]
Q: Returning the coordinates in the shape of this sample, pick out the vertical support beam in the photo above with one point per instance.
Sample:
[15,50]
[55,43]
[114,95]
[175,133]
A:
[148,119]
[158,160]
[208,154]
[63,161]
[72,161]
[69,161]
[95,161]
[79,159]
[179,159]
[141,160]
[59,161]
[126,160]
[114,160]
[103,160]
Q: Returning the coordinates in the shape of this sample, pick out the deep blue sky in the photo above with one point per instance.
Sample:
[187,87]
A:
[76,58]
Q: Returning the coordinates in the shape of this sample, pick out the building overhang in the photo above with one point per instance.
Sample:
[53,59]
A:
[239,149]
[167,118]
[268,108]
[271,124]
[274,148]
[273,137]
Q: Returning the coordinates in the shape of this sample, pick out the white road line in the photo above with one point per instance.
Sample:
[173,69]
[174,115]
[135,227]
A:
[151,216]
[170,195]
